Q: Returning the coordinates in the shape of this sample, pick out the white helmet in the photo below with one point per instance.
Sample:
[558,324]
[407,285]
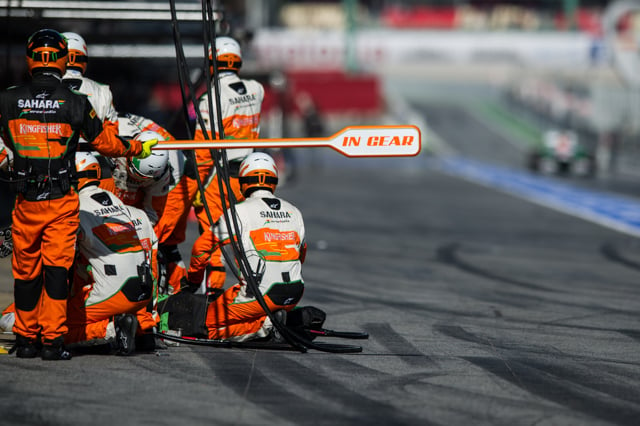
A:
[228,54]
[88,169]
[78,54]
[154,165]
[258,171]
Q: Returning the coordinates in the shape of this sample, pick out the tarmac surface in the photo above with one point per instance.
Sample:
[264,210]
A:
[482,309]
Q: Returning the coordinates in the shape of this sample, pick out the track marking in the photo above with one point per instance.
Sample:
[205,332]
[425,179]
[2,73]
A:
[612,211]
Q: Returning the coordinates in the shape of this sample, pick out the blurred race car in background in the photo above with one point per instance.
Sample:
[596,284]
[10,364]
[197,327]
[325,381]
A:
[560,153]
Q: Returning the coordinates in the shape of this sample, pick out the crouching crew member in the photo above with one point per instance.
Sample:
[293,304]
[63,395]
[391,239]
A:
[116,271]
[273,237]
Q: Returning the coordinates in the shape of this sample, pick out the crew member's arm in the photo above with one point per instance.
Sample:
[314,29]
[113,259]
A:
[204,161]
[105,139]
[303,251]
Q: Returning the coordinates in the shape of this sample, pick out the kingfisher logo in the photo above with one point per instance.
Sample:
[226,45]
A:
[49,128]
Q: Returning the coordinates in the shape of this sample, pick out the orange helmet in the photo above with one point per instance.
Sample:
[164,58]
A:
[228,54]
[258,171]
[78,56]
[47,49]
[88,169]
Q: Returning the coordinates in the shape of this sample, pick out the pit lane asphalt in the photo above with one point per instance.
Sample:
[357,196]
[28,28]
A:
[482,308]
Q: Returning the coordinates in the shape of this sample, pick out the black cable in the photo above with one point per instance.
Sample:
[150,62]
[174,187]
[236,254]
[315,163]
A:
[218,156]
[222,167]
[183,75]
[230,214]
[183,71]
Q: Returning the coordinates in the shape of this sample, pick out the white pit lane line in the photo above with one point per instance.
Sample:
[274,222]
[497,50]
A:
[612,211]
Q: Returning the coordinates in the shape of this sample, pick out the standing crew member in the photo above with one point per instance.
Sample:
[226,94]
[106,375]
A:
[241,103]
[41,123]
[273,236]
[99,94]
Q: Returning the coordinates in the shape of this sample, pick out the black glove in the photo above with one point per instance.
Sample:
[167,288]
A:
[188,286]
[6,242]
[190,167]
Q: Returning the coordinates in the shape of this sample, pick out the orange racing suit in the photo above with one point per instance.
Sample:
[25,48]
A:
[41,123]
[273,237]
[241,103]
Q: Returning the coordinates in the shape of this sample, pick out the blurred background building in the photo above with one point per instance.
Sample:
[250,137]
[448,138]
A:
[572,63]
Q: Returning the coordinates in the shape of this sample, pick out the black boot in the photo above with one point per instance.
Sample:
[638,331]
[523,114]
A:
[274,335]
[25,347]
[126,326]
[148,342]
[53,350]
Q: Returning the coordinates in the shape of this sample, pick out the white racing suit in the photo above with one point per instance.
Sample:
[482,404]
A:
[241,105]
[101,100]
[99,95]
[116,245]
[273,237]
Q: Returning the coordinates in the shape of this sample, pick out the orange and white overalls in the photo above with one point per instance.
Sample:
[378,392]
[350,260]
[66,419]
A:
[273,237]
[41,123]
[241,103]
[115,243]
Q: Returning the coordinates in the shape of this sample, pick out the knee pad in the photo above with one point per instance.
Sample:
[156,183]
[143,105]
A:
[27,294]
[56,282]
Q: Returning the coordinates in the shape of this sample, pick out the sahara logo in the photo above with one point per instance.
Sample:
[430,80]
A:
[108,211]
[275,215]
[39,105]
[242,99]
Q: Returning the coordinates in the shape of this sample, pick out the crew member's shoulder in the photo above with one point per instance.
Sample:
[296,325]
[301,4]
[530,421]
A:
[96,85]
[73,92]
[253,83]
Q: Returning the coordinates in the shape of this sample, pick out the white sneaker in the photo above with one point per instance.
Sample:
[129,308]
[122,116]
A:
[7,321]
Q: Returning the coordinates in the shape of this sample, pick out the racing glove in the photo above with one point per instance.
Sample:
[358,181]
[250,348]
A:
[146,148]
[186,285]
[6,242]
[197,201]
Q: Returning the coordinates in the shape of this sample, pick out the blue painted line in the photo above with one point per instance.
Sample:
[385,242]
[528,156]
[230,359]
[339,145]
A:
[612,211]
